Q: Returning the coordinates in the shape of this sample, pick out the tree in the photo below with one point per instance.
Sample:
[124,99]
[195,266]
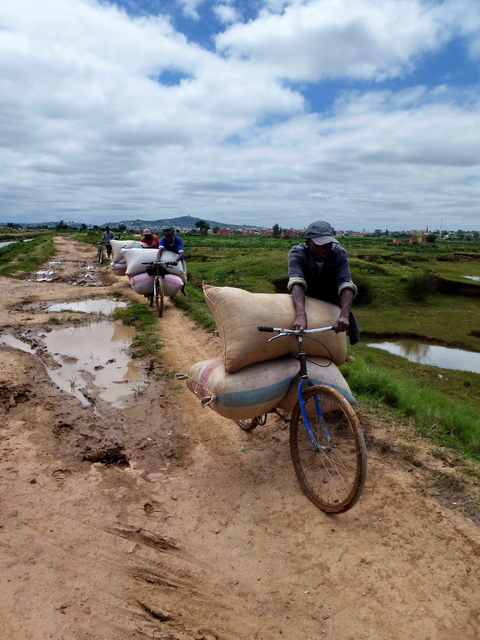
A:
[215,230]
[276,231]
[202,226]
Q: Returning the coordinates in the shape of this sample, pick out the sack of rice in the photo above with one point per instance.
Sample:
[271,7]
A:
[238,313]
[320,371]
[142,283]
[244,394]
[138,259]
[118,245]
[119,267]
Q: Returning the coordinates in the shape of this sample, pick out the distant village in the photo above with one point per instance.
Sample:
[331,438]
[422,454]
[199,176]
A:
[411,235]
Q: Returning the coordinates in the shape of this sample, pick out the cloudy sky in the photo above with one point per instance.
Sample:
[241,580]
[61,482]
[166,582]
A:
[365,113]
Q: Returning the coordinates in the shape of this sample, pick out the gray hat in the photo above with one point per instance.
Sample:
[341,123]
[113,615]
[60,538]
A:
[320,233]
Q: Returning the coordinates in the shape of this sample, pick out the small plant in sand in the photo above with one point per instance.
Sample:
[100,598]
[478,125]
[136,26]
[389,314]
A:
[140,389]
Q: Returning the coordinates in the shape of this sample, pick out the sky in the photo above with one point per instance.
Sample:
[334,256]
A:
[363,113]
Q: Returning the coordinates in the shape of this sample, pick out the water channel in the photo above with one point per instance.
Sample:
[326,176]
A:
[429,354]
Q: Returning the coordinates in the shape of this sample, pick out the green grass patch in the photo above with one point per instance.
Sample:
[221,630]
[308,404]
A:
[139,315]
[440,408]
[26,256]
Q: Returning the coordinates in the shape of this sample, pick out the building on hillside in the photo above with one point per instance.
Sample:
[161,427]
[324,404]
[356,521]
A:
[223,232]
[289,233]
[397,240]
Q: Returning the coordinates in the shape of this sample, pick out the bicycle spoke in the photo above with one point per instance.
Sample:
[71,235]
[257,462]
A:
[331,472]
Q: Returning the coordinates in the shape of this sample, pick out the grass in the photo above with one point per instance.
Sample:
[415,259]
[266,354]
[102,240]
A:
[26,256]
[442,404]
[145,341]
[448,416]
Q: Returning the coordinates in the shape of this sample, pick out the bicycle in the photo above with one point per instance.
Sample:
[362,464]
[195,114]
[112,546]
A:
[158,293]
[100,252]
[328,452]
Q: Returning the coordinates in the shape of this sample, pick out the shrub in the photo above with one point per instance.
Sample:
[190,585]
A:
[420,285]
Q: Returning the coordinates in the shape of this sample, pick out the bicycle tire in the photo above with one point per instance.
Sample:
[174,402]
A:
[333,476]
[251,423]
[159,295]
[100,255]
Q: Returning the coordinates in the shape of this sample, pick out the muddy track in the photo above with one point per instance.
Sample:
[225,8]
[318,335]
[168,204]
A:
[163,520]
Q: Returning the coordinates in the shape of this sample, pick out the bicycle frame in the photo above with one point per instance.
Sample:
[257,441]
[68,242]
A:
[305,381]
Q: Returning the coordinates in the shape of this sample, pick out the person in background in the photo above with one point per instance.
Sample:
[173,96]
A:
[150,239]
[107,236]
[169,242]
[319,268]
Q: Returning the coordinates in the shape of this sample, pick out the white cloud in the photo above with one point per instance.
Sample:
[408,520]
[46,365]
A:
[368,39]
[226,13]
[87,129]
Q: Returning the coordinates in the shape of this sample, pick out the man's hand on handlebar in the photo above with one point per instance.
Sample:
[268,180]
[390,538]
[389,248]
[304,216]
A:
[301,322]
[342,324]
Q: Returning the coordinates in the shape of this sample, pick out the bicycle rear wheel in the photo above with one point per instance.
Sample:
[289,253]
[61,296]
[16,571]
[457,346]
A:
[332,473]
[159,295]
[100,255]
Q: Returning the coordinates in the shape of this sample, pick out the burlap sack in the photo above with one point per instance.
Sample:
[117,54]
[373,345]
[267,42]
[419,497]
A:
[245,394]
[319,372]
[238,313]
[258,388]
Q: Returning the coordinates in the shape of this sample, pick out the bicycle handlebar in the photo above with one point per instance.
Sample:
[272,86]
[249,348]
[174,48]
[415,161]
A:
[294,332]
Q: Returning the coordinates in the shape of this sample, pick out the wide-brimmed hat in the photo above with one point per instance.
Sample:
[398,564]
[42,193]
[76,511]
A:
[320,233]
[147,232]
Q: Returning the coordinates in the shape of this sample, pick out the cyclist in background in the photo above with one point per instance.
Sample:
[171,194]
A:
[107,236]
[169,242]
[149,239]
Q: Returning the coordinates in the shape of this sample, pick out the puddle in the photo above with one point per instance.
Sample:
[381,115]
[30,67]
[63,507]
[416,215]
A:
[103,306]
[46,274]
[94,354]
[90,277]
[4,244]
[11,341]
[433,355]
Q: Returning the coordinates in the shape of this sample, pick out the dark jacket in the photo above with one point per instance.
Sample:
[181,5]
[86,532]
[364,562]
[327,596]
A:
[324,285]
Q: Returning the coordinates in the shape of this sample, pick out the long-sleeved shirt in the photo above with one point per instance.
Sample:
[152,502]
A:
[323,280]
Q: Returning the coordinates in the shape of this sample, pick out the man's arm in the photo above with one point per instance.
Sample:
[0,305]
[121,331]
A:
[298,299]
[343,321]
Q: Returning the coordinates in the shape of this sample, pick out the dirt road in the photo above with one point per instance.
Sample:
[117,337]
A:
[188,528]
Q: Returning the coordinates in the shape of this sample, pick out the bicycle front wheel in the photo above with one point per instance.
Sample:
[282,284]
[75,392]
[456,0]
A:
[100,255]
[332,468]
[159,295]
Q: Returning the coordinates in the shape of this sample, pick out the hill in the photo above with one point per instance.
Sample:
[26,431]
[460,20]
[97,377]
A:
[182,222]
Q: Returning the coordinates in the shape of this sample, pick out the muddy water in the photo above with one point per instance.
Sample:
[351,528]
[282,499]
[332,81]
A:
[104,306]
[433,355]
[92,360]
[94,355]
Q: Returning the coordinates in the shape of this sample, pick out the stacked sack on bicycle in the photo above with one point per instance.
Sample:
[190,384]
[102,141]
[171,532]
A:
[119,264]
[141,271]
[254,376]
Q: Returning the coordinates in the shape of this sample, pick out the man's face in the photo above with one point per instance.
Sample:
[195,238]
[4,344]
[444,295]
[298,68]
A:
[319,252]
[169,237]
